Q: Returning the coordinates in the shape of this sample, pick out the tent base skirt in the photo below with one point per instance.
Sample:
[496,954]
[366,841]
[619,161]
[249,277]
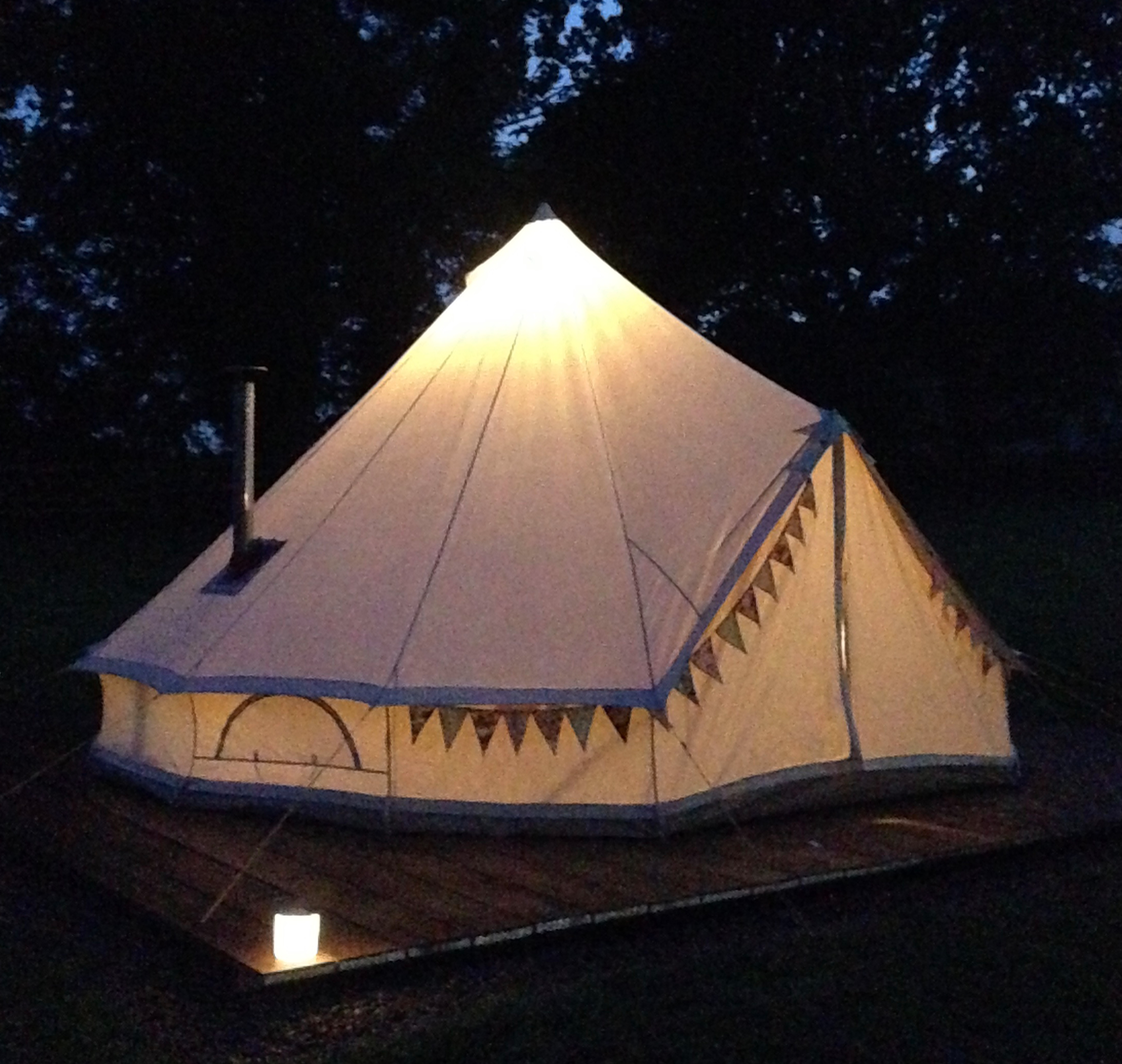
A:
[785,791]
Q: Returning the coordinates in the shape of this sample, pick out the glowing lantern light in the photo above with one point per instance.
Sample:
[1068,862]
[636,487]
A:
[295,936]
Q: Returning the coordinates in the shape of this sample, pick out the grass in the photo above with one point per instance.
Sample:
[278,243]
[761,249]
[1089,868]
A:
[1003,959]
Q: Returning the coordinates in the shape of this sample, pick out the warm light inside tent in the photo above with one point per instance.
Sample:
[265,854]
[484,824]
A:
[296,936]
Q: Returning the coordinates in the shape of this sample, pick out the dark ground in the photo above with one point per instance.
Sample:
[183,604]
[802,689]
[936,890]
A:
[1010,958]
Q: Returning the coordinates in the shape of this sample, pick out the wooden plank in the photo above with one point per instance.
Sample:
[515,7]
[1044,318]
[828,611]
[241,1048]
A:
[167,875]
[550,876]
[297,869]
[503,903]
[646,872]
[396,903]
[494,865]
[234,840]
[129,868]
[730,858]
[576,884]
[774,853]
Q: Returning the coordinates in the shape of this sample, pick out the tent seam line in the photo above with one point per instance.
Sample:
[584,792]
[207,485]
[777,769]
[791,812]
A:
[456,508]
[669,579]
[378,386]
[627,540]
[331,510]
[743,557]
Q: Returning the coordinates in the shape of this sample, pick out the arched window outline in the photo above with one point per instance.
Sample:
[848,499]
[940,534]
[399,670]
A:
[329,710]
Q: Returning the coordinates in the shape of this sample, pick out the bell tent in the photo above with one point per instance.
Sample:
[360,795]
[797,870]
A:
[567,567]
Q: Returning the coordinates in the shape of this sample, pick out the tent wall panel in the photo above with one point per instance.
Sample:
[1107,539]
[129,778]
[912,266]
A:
[141,724]
[778,703]
[918,685]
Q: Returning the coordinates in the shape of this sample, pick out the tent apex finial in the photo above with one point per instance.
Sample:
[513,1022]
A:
[544,213]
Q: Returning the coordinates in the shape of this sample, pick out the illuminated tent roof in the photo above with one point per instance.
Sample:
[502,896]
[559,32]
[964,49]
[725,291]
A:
[542,501]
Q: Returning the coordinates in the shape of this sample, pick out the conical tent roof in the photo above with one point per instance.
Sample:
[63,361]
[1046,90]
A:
[544,500]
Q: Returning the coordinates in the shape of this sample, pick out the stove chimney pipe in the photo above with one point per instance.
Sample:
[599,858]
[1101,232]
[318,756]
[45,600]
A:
[243,496]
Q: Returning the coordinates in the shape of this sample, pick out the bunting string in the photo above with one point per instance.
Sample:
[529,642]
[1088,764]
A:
[704,658]
[548,719]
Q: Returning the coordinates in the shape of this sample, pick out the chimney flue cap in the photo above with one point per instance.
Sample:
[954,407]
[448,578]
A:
[245,373]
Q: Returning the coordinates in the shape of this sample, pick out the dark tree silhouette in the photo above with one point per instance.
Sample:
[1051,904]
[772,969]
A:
[896,208]
[893,208]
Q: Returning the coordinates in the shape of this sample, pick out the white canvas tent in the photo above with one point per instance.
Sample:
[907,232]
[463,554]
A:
[567,566]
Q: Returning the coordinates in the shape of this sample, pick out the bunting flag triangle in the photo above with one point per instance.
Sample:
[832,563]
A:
[747,606]
[794,526]
[620,716]
[952,596]
[418,718]
[548,719]
[685,686]
[939,578]
[765,580]
[516,727]
[580,717]
[781,553]
[807,498]
[960,619]
[729,631]
[988,660]
[451,720]
[485,721]
[661,716]
[705,658]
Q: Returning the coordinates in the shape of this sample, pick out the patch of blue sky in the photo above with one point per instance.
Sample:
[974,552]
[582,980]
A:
[27,108]
[917,67]
[370,23]
[379,133]
[819,222]
[204,437]
[514,128]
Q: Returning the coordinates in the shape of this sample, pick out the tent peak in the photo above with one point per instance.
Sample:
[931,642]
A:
[544,213]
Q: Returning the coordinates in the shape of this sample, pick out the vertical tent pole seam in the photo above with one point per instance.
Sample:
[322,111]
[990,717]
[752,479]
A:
[456,506]
[389,772]
[840,625]
[185,786]
[627,541]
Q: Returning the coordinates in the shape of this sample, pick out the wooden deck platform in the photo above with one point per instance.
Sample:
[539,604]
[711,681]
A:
[385,898]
